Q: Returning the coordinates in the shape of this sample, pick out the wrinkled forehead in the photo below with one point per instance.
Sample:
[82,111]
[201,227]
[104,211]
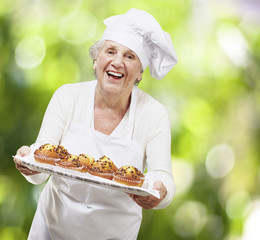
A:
[117,46]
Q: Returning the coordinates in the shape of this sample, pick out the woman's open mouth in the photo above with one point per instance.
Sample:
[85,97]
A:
[115,75]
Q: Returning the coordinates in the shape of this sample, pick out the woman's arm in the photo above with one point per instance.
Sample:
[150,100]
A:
[56,117]
[51,131]
[158,153]
[153,129]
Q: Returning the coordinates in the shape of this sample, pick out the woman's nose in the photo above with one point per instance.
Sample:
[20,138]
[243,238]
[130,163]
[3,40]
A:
[117,61]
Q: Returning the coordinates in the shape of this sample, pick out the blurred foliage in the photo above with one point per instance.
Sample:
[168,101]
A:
[212,94]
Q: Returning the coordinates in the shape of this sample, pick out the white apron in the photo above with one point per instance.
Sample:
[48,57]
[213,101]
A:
[70,209]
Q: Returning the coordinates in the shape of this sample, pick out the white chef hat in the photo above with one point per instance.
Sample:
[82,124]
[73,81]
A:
[140,32]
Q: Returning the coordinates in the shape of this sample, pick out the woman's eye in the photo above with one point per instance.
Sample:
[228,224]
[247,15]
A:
[130,56]
[110,51]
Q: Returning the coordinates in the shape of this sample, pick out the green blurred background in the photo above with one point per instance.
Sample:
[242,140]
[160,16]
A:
[212,94]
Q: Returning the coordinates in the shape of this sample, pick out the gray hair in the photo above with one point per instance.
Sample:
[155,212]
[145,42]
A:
[94,49]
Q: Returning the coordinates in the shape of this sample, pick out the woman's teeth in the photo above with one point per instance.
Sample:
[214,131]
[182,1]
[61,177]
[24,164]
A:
[118,75]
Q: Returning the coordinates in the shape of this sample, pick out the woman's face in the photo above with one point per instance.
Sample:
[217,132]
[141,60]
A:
[117,68]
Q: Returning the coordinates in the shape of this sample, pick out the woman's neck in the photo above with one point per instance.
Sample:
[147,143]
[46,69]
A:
[109,110]
[115,102]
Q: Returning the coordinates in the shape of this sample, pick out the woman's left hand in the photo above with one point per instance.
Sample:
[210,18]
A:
[150,201]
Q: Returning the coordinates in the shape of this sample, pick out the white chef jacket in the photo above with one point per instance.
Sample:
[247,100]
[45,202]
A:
[151,130]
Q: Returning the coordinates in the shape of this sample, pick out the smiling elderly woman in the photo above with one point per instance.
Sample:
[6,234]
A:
[94,50]
[108,116]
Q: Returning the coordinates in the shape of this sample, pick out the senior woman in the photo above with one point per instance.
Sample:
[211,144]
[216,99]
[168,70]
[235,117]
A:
[109,116]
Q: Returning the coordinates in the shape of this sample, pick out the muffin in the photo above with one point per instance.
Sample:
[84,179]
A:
[61,151]
[103,167]
[49,154]
[85,161]
[71,161]
[129,175]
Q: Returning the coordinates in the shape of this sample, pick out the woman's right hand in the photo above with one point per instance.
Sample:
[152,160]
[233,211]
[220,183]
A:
[22,152]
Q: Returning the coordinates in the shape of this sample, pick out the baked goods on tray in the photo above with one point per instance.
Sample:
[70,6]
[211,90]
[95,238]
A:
[71,161]
[85,161]
[129,175]
[50,154]
[103,167]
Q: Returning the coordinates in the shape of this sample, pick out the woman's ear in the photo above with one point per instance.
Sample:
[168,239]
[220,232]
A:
[94,64]
[140,75]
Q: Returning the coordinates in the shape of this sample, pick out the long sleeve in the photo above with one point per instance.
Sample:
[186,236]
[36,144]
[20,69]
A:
[158,153]
[52,128]
[154,132]
[56,117]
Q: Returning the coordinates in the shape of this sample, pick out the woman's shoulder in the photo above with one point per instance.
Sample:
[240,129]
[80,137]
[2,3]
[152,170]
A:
[151,115]
[73,90]
[148,103]
[75,87]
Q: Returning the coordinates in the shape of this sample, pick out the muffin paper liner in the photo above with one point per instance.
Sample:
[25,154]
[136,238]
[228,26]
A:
[130,181]
[48,159]
[103,175]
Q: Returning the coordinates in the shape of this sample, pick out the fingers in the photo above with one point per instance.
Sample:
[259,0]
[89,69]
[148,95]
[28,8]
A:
[146,202]
[159,186]
[150,201]
[24,170]
[17,161]
[23,151]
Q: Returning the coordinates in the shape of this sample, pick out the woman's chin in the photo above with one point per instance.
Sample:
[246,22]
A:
[112,86]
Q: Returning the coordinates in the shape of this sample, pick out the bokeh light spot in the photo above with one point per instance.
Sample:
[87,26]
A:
[251,226]
[30,52]
[190,218]
[183,175]
[237,204]
[220,161]
[78,27]
[234,44]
